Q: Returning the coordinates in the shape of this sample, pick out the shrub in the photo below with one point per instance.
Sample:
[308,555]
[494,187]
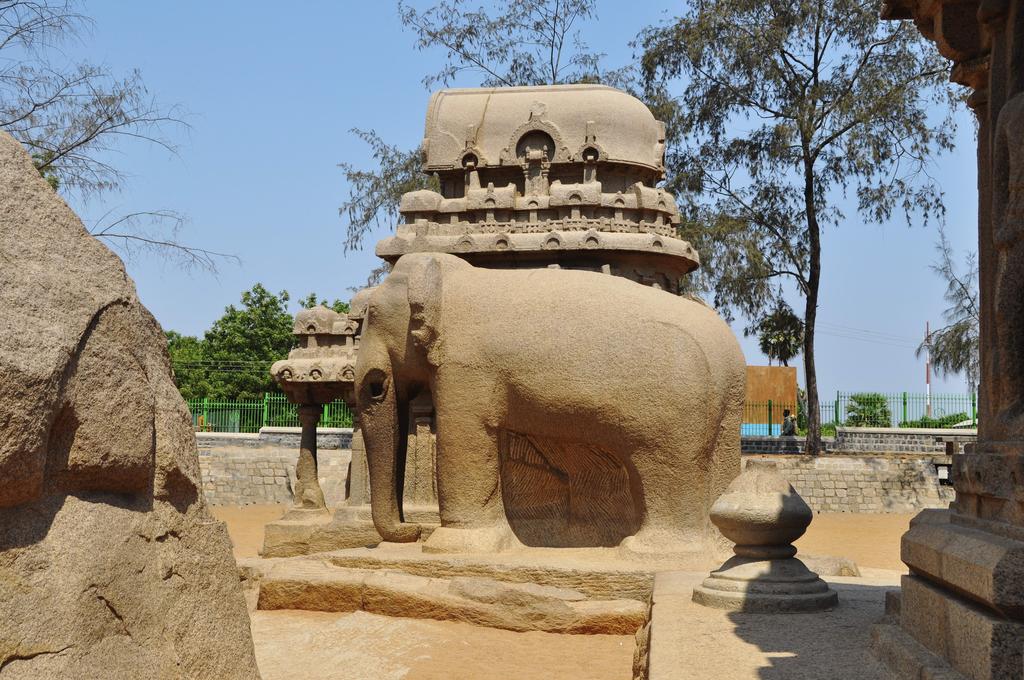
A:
[868,409]
[940,422]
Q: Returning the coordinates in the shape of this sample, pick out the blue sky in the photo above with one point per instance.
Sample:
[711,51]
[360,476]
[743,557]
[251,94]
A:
[271,94]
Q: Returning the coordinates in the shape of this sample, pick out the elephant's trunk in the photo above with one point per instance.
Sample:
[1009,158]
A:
[381,433]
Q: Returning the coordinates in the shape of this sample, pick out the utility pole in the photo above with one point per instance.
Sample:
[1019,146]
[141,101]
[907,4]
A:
[928,369]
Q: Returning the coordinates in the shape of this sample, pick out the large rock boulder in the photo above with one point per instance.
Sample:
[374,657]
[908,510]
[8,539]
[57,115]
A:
[111,565]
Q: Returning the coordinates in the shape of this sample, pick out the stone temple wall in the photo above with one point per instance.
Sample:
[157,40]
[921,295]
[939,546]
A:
[861,440]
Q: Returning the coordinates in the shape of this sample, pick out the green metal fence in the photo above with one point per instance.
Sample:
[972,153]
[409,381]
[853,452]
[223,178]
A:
[867,409]
[852,409]
[901,409]
[274,410]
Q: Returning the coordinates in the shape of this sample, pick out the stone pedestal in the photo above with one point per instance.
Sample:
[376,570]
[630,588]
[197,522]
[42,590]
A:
[762,513]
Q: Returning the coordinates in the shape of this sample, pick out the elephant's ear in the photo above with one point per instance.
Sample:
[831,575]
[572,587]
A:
[425,305]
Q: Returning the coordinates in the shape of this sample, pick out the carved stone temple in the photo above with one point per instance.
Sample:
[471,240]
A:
[559,176]
[526,178]
[960,612]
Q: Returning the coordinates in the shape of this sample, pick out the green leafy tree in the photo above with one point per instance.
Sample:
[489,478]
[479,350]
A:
[312,300]
[786,107]
[954,348]
[232,359]
[187,360]
[781,334]
[868,409]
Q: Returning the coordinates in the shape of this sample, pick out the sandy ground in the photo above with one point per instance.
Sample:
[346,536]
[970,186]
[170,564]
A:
[712,644]
[869,540]
[360,646]
[357,646]
[245,525]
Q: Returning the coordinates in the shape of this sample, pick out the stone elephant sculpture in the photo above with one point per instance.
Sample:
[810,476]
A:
[550,359]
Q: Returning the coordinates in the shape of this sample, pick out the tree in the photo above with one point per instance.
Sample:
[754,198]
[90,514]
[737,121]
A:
[532,42]
[71,117]
[780,334]
[785,106]
[954,348]
[156,231]
[190,373]
[868,409]
[312,300]
[232,360]
[374,195]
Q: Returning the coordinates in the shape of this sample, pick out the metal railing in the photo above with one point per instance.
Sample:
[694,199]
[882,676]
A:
[867,409]
[852,409]
[903,409]
[249,415]
[764,418]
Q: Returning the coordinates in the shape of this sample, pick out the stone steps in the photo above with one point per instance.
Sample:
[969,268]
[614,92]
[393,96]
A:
[317,584]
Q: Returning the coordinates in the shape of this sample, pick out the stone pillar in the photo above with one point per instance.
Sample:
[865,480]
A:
[359,474]
[420,492]
[961,608]
[307,493]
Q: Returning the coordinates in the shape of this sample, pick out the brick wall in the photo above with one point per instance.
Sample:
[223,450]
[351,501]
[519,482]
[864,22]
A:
[866,484]
[867,440]
[246,469]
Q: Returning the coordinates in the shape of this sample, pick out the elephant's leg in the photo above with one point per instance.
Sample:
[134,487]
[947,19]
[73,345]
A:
[468,486]
[675,513]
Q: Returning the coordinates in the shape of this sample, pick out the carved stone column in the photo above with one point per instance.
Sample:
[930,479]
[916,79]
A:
[358,473]
[420,491]
[961,607]
[307,493]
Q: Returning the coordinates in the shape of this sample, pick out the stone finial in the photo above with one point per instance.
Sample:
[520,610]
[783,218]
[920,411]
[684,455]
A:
[322,368]
[763,515]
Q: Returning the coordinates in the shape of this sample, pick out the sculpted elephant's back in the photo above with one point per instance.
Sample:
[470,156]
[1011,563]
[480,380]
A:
[597,340]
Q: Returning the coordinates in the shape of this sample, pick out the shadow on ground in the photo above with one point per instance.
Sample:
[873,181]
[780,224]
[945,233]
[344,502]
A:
[831,644]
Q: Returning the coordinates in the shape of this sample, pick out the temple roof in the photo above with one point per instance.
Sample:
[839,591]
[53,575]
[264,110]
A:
[490,122]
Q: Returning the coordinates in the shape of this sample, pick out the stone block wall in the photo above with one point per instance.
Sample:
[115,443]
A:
[779,445]
[866,484]
[867,440]
[282,437]
[246,469]
[900,440]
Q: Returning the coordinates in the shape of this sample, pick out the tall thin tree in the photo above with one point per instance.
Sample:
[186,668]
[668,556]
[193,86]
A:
[785,106]
[954,348]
